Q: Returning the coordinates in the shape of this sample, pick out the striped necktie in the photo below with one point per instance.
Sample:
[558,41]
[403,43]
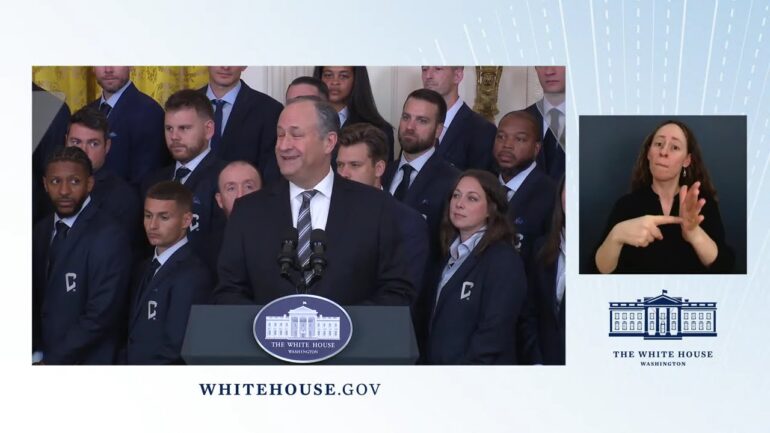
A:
[304,227]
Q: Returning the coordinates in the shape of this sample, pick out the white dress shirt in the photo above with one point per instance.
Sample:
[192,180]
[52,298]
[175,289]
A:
[319,204]
[515,183]
[229,99]
[192,164]
[451,112]
[417,164]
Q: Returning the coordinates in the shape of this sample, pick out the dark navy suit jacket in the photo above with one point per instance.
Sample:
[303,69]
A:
[551,158]
[120,200]
[415,245]
[474,320]
[428,194]
[362,249]
[202,182]
[250,132]
[138,141]
[159,314]
[468,141]
[550,321]
[531,208]
[78,310]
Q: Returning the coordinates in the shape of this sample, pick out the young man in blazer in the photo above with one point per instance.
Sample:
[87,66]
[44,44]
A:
[363,263]
[363,152]
[189,127]
[550,114]
[136,125]
[169,283]
[467,137]
[244,120]
[430,179]
[530,191]
[80,270]
[88,130]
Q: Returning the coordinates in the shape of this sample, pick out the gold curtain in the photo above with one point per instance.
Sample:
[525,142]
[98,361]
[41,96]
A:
[78,84]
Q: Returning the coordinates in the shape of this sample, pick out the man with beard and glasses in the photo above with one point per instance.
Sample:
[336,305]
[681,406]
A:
[136,125]
[421,178]
[80,270]
[530,191]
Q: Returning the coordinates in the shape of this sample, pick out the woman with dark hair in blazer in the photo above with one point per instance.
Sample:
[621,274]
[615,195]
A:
[546,276]
[476,296]
[670,222]
[350,93]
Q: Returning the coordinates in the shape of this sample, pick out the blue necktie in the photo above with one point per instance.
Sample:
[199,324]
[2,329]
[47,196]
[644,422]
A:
[402,187]
[181,173]
[219,105]
[105,108]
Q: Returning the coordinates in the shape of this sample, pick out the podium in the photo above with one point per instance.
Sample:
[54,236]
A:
[223,335]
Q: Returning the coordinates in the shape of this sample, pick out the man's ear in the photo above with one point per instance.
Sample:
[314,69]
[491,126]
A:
[187,219]
[208,126]
[330,142]
[379,168]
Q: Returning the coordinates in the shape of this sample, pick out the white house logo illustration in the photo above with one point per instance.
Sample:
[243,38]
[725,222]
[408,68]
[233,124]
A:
[663,318]
[302,323]
[302,328]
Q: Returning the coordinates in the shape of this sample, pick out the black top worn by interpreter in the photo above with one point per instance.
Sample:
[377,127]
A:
[672,254]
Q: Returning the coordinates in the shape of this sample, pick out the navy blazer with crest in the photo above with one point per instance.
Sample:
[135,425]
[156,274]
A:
[551,158]
[428,194]
[78,309]
[365,265]
[158,317]
[137,134]
[202,182]
[530,209]
[250,132]
[468,141]
[475,318]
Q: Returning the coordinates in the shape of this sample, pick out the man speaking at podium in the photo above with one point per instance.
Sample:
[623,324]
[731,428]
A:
[273,244]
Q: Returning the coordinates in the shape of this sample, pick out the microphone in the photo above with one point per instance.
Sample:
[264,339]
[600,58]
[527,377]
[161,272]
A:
[318,252]
[288,251]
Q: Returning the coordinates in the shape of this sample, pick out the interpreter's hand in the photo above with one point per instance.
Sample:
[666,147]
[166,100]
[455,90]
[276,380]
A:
[690,210]
[641,231]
